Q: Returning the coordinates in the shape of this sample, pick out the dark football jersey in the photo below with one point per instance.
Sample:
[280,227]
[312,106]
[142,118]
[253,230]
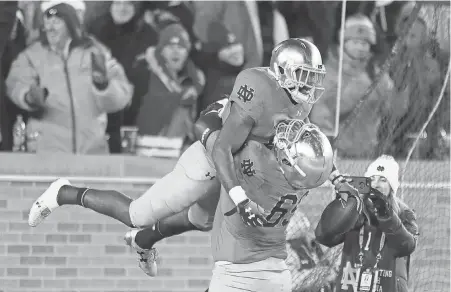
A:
[260,176]
[257,92]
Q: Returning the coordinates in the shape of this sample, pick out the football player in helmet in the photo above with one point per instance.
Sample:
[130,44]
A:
[261,97]
[253,258]
[304,161]
[276,179]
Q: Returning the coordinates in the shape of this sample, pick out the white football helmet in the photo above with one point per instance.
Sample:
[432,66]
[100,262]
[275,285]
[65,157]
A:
[304,154]
[298,67]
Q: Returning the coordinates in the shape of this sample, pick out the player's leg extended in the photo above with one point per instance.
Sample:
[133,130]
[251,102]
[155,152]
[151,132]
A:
[111,203]
[178,190]
[202,213]
[192,179]
[143,240]
[197,217]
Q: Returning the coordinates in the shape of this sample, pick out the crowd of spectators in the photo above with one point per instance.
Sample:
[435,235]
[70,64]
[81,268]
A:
[95,77]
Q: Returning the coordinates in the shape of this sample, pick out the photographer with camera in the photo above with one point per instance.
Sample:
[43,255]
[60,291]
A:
[378,240]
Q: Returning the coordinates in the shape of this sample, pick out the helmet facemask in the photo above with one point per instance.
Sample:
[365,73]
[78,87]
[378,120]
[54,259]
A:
[298,68]
[287,134]
[305,84]
[301,153]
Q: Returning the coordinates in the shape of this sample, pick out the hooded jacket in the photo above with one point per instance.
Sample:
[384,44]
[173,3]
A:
[72,118]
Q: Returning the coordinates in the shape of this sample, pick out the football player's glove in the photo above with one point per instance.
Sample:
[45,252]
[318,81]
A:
[250,212]
[344,190]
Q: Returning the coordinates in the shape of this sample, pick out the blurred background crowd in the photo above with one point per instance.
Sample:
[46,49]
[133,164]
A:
[101,77]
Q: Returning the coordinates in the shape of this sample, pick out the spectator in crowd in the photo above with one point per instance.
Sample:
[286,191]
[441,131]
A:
[384,232]
[384,15]
[95,10]
[9,111]
[253,30]
[67,82]
[310,270]
[123,30]
[79,6]
[33,14]
[7,19]
[168,107]
[418,73]
[161,13]
[313,20]
[360,139]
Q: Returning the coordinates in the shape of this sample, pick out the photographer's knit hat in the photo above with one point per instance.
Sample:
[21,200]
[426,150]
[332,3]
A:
[387,167]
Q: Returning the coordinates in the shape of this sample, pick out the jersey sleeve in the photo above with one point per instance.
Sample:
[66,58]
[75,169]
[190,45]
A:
[249,93]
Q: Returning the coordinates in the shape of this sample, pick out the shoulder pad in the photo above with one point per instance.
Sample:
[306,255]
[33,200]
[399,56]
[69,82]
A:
[251,91]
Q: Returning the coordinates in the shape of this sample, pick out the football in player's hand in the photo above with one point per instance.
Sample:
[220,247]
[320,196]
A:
[339,216]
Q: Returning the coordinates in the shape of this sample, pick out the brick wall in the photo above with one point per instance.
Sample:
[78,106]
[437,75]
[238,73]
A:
[78,250]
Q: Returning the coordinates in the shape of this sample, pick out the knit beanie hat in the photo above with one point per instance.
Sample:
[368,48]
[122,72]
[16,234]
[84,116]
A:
[69,15]
[360,27]
[77,4]
[387,167]
[174,34]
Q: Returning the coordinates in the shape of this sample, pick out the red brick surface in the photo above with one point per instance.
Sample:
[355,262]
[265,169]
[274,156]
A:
[78,250]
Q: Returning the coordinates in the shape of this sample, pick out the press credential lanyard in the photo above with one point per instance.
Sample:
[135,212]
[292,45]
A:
[361,256]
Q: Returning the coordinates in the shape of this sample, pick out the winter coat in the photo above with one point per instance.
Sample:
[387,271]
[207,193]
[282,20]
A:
[399,242]
[360,138]
[126,41]
[408,219]
[235,17]
[418,74]
[314,19]
[71,119]
[162,110]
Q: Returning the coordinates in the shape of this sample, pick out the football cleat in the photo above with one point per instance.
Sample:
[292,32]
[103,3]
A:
[46,203]
[147,257]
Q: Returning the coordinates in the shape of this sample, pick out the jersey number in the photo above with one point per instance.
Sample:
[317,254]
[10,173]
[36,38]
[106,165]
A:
[285,204]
